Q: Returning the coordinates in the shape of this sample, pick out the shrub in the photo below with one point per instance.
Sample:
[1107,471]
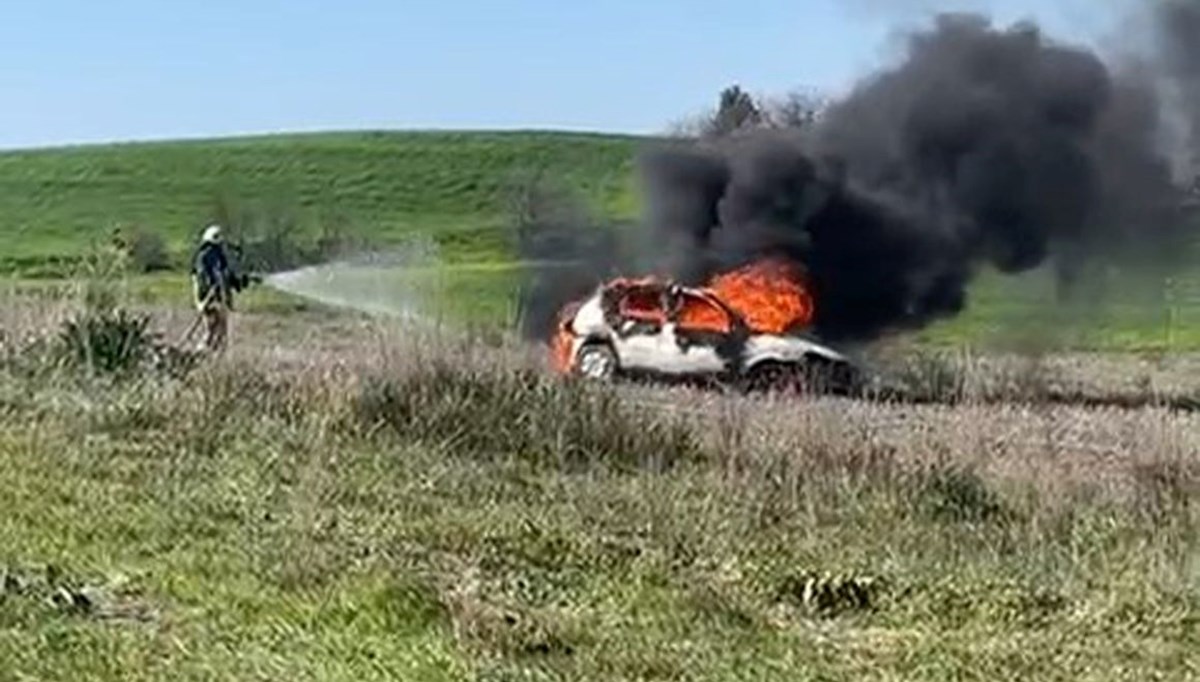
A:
[282,234]
[109,342]
[958,496]
[144,250]
[116,342]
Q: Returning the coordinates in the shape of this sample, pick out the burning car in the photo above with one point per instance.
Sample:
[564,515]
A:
[748,326]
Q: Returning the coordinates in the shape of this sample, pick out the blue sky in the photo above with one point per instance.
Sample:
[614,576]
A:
[99,70]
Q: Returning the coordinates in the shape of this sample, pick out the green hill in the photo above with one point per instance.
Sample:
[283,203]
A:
[55,202]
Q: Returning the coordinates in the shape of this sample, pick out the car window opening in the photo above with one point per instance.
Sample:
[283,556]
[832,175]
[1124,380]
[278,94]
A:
[699,314]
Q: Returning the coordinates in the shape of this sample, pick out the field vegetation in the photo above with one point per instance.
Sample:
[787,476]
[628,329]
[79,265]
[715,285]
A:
[57,204]
[295,200]
[353,496]
[346,497]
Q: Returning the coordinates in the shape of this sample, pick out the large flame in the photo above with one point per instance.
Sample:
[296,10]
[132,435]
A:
[771,295]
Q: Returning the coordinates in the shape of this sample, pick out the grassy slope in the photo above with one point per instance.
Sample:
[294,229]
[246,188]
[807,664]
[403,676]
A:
[450,186]
[385,183]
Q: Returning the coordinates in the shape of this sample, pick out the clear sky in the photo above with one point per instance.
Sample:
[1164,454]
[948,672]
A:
[99,70]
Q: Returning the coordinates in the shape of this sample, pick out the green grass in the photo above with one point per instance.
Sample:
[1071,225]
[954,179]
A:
[1020,312]
[57,202]
[368,506]
[1004,313]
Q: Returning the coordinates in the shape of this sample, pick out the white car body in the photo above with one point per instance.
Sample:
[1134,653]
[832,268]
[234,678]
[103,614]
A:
[661,353]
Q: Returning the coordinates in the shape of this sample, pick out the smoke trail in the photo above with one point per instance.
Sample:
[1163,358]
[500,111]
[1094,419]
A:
[565,251]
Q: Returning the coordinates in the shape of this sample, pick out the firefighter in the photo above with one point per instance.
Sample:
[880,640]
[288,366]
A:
[213,283]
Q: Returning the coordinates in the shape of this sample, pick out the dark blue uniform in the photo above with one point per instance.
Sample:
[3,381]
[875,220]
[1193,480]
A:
[210,267]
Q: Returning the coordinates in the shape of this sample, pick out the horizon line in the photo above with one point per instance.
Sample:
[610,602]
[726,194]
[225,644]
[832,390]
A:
[287,132]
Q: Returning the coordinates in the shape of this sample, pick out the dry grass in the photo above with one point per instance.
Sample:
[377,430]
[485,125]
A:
[1020,439]
[342,498]
[1098,380]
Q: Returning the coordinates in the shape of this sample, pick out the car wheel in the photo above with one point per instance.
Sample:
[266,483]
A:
[596,361]
[835,378]
[812,376]
[773,376]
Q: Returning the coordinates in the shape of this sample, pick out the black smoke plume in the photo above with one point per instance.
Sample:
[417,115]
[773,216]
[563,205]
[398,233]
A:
[985,147]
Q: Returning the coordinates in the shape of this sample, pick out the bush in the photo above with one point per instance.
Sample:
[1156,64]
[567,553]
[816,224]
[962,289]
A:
[522,414]
[107,342]
[956,495]
[118,342]
[145,251]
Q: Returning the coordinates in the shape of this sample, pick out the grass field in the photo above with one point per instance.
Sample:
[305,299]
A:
[351,498]
[1005,314]
[58,202]
[358,497]
[451,187]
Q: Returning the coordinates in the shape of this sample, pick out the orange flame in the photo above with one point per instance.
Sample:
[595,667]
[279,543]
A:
[560,345]
[771,295]
[560,352]
[698,313]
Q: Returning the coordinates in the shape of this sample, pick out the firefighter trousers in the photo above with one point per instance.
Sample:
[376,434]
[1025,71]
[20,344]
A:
[216,326]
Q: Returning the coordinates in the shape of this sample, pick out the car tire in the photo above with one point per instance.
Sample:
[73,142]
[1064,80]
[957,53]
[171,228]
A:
[813,376]
[832,378]
[596,361]
[773,376]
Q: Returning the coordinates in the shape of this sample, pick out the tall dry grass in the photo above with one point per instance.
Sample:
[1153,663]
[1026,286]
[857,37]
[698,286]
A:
[429,383]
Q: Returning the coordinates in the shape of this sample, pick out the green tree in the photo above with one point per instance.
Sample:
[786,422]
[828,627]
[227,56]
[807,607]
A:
[736,110]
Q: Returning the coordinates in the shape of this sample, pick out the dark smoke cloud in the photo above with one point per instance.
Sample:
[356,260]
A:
[984,147]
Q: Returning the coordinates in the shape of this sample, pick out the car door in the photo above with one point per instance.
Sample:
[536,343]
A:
[702,330]
[670,331]
[645,338]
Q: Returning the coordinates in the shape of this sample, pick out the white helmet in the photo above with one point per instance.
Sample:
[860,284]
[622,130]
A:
[212,233]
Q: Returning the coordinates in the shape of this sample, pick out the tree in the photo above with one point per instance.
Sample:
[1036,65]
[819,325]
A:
[797,109]
[739,111]
[736,110]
